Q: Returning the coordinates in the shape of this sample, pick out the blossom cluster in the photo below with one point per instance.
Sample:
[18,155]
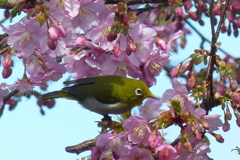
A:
[141,137]
[84,38]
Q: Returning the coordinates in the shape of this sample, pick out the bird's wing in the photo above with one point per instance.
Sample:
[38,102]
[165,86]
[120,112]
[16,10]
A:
[82,81]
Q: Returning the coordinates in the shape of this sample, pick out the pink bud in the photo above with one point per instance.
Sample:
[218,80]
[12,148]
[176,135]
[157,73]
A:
[111,36]
[125,18]
[187,67]
[233,85]
[12,104]
[132,45]
[62,30]
[193,15]
[179,148]
[6,72]
[217,8]
[197,135]
[221,89]
[202,6]
[219,138]
[7,61]
[117,50]
[154,139]
[176,71]
[6,14]
[228,114]
[54,33]
[230,16]
[187,4]
[226,126]
[189,147]
[52,44]
[235,4]
[204,123]
[179,11]
[192,82]
[238,22]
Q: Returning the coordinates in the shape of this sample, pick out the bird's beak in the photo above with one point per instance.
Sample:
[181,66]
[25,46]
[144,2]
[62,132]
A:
[150,95]
[154,97]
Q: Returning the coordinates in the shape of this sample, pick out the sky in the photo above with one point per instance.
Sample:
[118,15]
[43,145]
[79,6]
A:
[27,135]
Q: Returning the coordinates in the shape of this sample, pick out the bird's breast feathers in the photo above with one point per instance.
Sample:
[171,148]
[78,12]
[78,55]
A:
[93,105]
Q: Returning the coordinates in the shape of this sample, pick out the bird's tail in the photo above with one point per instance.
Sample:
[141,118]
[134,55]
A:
[51,95]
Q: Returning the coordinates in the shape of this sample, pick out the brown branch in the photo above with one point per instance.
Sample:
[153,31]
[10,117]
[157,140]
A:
[10,4]
[208,101]
[205,39]
[81,147]
[9,95]
[131,2]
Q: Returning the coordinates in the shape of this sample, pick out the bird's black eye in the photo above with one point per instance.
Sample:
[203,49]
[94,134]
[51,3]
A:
[138,91]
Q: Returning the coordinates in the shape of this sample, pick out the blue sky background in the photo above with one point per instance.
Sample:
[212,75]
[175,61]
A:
[26,135]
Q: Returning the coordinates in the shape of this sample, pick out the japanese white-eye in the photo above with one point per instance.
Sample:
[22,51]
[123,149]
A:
[105,94]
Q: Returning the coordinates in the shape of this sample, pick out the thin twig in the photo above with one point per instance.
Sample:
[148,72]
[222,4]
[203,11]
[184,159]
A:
[9,95]
[206,39]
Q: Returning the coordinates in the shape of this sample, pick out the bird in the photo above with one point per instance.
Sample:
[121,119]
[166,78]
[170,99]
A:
[104,95]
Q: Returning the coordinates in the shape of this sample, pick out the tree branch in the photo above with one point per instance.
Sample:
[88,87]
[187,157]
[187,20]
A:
[81,147]
[208,101]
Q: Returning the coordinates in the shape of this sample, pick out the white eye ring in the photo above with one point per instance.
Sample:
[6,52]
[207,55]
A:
[138,92]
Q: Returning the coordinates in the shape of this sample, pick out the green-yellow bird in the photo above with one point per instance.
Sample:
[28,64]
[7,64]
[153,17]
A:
[105,94]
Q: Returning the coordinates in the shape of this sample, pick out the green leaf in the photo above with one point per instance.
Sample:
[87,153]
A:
[2,2]
[14,12]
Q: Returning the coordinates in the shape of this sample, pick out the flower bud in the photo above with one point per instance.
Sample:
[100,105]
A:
[197,135]
[179,11]
[179,148]
[111,36]
[187,66]
[222,89]
[217,8]
[176,71]
[188,5]
[7,61]
[117,50]
[61,30]
[238,22]
[228,114]
[236,97]
[193,15]
[132,45]
[191,80]
[189,147]
[6,14]
[204,123]
[218,137]
[154,139]
[54,33]
[226,126]
[52,44]
[202,6]
[230,16]
[6,72]
[12,104]
[233,85]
